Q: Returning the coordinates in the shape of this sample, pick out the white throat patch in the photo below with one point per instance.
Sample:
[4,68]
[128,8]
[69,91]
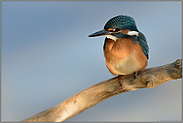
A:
[111,37]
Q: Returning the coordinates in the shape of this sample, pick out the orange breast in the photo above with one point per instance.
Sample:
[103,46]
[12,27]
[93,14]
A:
[124,56]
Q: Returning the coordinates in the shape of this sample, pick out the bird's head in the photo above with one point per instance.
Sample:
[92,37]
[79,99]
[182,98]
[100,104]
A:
[118,27]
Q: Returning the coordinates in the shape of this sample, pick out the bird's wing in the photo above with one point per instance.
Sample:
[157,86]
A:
[143,42]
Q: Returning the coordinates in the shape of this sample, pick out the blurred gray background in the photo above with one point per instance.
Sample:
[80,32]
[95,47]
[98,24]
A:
[47,58]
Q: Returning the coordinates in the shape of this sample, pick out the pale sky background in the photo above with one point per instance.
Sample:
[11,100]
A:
[48,57]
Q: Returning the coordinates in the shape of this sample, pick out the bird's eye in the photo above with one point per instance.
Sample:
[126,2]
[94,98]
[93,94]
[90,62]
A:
[117,29]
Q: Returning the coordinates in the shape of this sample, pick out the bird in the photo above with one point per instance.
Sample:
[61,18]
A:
[125,48]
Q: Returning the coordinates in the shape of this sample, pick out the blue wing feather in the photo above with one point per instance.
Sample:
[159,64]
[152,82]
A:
[143,42]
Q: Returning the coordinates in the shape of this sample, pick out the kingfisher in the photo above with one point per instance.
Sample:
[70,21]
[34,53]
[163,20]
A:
[125,48]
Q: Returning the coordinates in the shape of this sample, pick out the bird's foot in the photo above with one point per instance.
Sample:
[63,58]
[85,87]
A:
[120,79]
[121,76]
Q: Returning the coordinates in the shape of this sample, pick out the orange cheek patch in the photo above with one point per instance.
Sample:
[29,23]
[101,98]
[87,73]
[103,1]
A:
[110,29]
[124,31]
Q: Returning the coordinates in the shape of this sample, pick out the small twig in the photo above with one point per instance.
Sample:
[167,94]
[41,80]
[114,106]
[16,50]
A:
[91,96]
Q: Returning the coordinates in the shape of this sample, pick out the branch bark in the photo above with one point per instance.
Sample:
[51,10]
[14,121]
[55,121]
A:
[148,78]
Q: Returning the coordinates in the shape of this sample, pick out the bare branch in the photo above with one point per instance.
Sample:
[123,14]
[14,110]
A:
[91,96]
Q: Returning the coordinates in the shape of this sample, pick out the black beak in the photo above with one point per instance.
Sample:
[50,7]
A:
[100,33]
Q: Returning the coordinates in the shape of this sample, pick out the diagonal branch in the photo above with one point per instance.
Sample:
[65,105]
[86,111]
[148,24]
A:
[148,78]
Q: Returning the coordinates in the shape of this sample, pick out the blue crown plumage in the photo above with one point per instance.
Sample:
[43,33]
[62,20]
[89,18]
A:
[123,22]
